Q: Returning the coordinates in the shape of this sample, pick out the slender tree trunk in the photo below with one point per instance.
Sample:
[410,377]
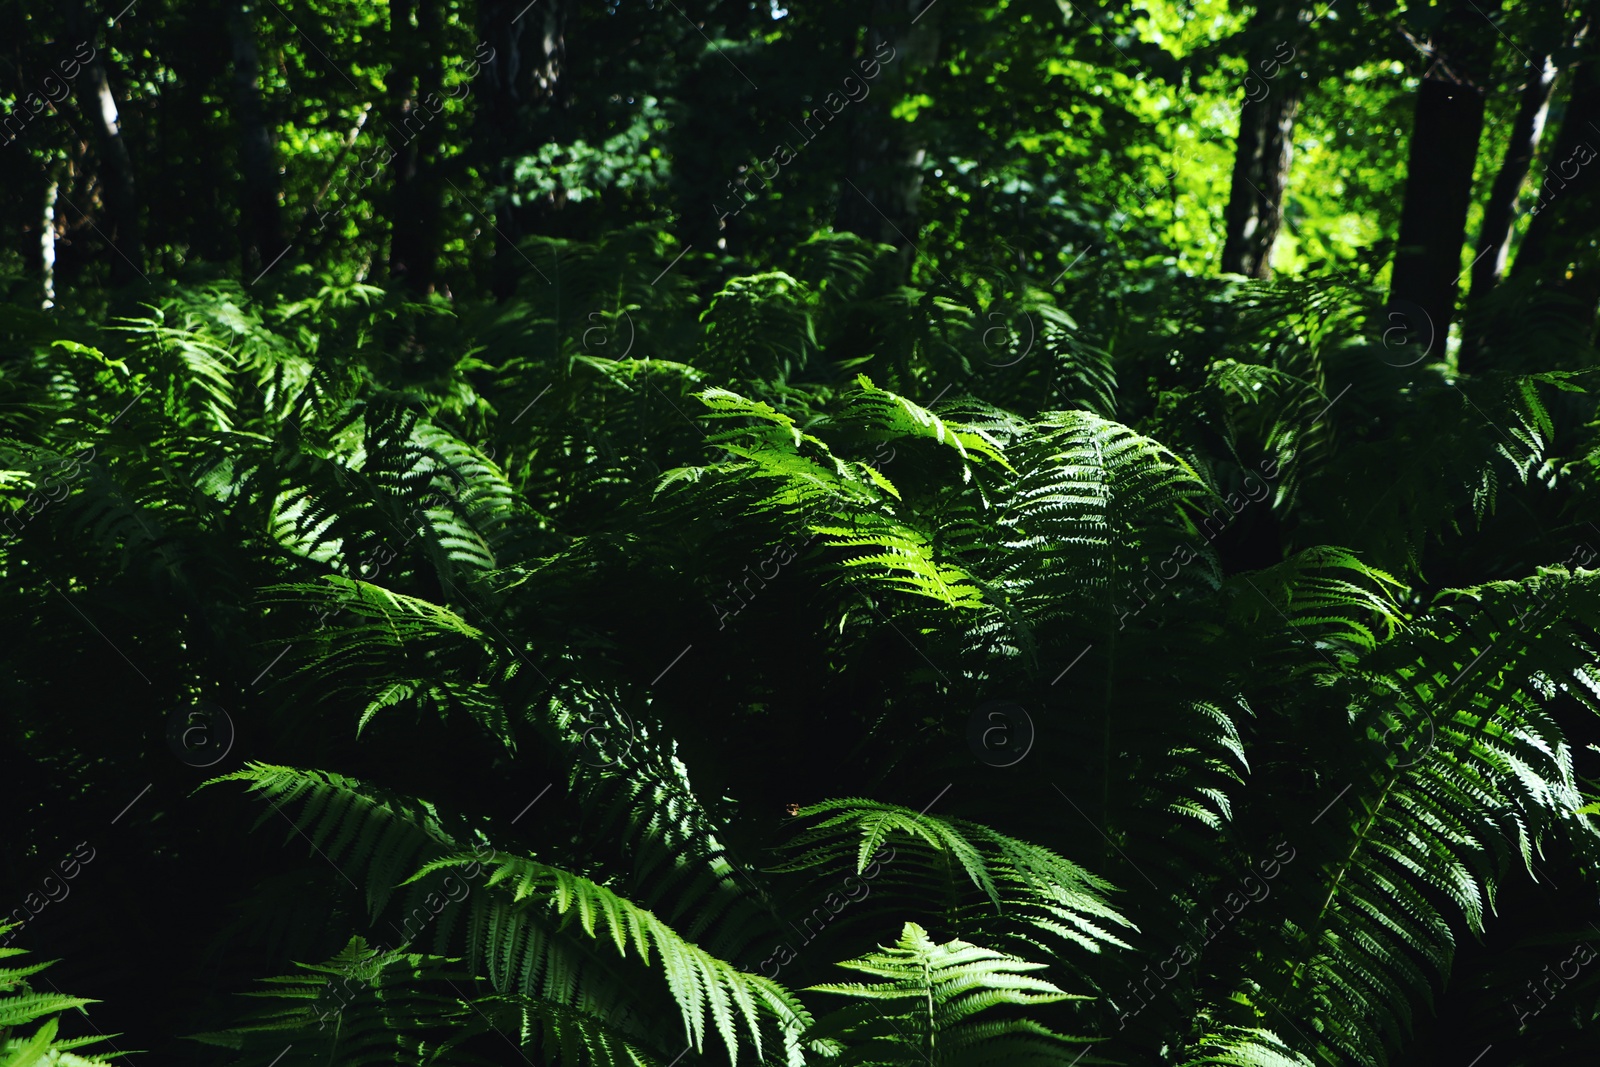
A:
[416,128]
[546,213]
[47,236]
[1500,211]
[1494,241]
[115,166]
[496,118]
[524,91]
[883,178]
[261,225]
[1444,149]
[1559,249]
[116,169]
[1265,143]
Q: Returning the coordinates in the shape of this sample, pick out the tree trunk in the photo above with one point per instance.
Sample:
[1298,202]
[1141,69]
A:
[1494,242]
[261,227]
[1500,211]
[47,237]
[1438,191]
[1559,249]
[523,91]
[415,84]
[883,178]
[116,169]
[1264,146]
[115,166]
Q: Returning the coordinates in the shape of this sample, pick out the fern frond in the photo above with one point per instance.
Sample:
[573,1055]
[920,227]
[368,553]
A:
[1243,1047]
[379,836]
[552,1033]
[760,326]
[1325,596]
[1024,891]
[702,985]
[1480,777]
[923,1007]
[640,794]
[362,1006]
[21,1005]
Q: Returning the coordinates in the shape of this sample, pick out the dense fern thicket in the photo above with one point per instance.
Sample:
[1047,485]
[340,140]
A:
[607,706]
[641,641]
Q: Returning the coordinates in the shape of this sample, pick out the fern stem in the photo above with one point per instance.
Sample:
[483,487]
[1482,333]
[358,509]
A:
[1344,868]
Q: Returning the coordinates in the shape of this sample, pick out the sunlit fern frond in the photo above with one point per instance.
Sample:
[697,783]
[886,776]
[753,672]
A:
[923,1006]
[1323,597]
[1093,503]
[1471,775]
[1238,1046]
[21,1005]
[711,994]
[517,916]
[965,876]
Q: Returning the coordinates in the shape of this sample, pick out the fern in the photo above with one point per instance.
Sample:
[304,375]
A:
[1481,777]
[1024,892]
[702,985]
[924,1006]
[362,1006]
[21,1005]
[519,932]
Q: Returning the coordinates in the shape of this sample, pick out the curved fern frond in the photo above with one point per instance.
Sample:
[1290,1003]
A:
[1325,596]
[522,938]
[1480,776]
[760,326]
[1023,891]
[893,417]
[642,799]
[361,830]
[703,986]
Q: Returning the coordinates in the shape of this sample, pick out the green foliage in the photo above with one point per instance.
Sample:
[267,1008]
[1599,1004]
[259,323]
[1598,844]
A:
[603,543]
[21,1005]
[1011,890]
[923,1006]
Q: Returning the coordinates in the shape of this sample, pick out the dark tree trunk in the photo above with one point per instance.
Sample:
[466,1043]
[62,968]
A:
[1559,251]
[1438,191]
[548,60]
[260,217]
[883,178]
[522,90]
[115,165]
[416,125]
[1264,146]
[1494,241]
[1500,210]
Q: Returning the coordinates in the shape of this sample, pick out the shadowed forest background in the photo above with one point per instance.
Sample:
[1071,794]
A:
[640,534]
